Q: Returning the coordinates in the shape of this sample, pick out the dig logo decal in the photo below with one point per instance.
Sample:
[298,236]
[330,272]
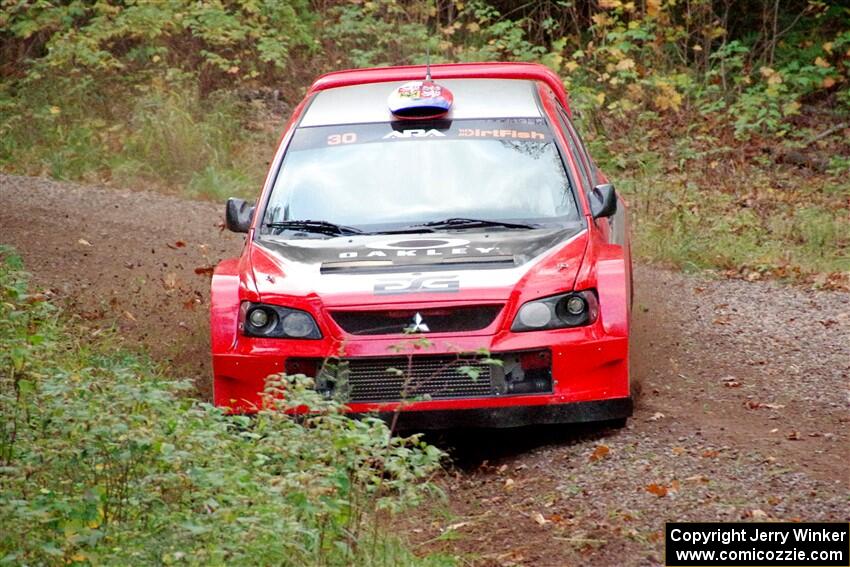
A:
[417,284]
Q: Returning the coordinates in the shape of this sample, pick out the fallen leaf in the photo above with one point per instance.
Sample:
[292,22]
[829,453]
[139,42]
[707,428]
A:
[710,453]
[758,514]
[657,489]
[205,270]
[678,451]
[599,453]
[674,486]
[83,242]
[129,316]
[752,404]
[656,416]
[538,517]
[169,281]
[509,484]
[793,436]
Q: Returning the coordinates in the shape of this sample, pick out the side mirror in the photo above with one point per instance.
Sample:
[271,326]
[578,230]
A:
[238,214]
[603,201]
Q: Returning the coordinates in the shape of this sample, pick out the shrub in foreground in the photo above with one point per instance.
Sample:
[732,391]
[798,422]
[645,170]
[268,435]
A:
[105,461]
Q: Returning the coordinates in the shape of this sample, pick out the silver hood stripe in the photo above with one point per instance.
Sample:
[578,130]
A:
[306,278]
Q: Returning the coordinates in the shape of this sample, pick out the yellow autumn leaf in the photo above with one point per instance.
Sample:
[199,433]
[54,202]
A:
[610,4]
[790,108]
[571,66]
[625,64]
[772,76]
[821,62]
[667,98]
[827,47]
[601,19]
[634,92]
[473,27]
[600,99]
[55,110]
[828,82]
[653,7]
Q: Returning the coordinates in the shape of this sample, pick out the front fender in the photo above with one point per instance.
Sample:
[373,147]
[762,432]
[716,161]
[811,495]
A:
[607,268]
[224,306]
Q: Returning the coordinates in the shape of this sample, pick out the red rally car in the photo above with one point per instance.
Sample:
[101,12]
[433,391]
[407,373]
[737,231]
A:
[454,203]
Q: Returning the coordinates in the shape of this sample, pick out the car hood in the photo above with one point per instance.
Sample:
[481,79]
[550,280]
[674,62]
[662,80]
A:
[441,266]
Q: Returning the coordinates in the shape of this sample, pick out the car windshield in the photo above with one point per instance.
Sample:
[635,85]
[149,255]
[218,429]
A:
[390,176]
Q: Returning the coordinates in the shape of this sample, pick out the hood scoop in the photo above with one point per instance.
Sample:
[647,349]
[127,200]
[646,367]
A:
[389,266]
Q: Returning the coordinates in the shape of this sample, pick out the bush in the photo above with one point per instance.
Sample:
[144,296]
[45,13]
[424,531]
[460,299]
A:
[106,461]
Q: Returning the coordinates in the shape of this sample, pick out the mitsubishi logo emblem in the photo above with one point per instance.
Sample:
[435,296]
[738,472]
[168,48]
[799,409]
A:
[418,326]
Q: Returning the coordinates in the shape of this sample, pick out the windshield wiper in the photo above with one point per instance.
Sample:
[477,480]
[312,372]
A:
[317,226]
[460,222]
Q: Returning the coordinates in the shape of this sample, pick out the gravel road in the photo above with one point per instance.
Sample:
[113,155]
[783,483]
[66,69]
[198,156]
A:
[743,413]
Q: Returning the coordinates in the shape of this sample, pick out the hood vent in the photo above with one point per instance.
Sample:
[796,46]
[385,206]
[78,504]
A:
[385,266]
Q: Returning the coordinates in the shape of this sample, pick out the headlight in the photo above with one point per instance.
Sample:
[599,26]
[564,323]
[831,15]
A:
[262,320]
[573,309]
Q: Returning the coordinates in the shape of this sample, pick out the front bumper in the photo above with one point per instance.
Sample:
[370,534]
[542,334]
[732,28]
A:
[513,416]
[588,366]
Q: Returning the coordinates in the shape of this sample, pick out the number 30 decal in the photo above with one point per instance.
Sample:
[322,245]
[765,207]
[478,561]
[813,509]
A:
[347,138]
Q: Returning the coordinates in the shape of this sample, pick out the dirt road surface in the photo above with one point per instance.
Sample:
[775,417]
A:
[743,413]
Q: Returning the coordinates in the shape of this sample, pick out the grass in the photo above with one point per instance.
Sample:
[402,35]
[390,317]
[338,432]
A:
[105,459]
[697,206]
[169,140]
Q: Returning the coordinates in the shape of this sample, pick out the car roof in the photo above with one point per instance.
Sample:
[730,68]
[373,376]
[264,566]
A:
[473,99]
[514,70]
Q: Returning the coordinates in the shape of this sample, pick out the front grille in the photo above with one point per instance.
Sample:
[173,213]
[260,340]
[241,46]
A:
[417,378]
[432,320]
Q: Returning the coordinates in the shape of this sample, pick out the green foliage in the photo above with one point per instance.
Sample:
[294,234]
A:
[214,41]
[103,460]
[380,32]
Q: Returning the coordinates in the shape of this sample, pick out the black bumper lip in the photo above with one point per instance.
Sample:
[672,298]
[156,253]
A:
[513,416]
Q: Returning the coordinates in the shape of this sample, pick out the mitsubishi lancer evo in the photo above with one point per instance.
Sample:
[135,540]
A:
[434,243]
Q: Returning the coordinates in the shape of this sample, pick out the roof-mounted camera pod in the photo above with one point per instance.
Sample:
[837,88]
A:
[420,100]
